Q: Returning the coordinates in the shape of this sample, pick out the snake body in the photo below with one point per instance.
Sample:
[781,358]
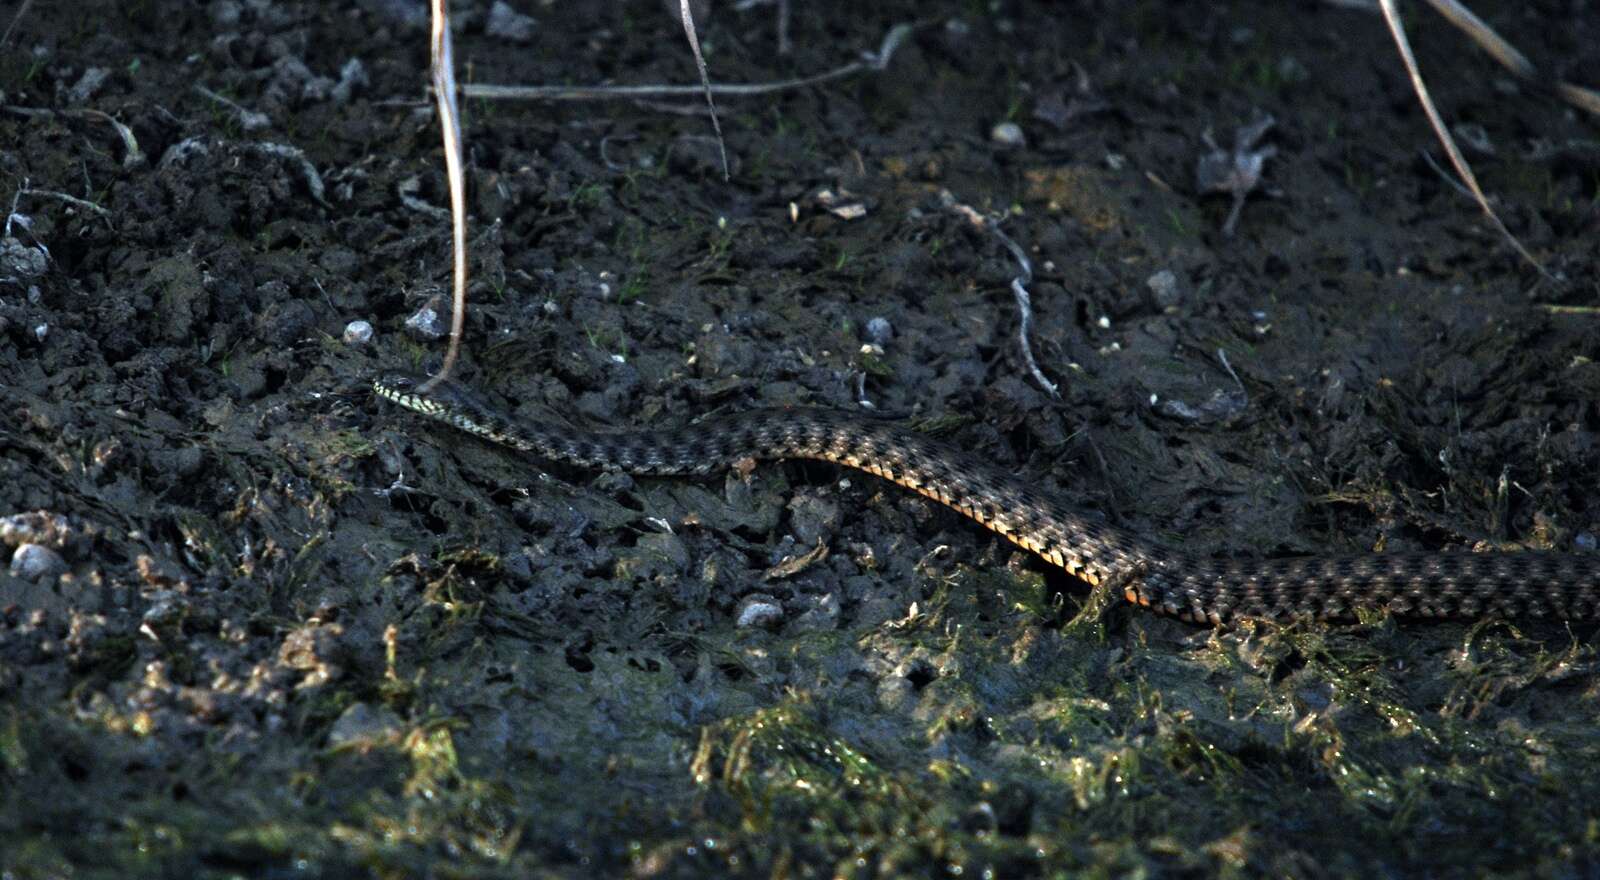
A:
[1196,589]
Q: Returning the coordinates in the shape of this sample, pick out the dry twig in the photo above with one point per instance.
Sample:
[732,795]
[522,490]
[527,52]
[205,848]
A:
[870,61]
[705,83]
[1505,54]
[132,155]
[21,11]
[444,91]
[1025,307]
[1511,59]
[1391,15]
[1019,289]
[63,197]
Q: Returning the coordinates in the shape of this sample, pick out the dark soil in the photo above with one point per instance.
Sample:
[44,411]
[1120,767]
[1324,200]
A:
[268,626]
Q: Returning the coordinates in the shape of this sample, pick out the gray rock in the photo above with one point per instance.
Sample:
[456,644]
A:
[879,331]
[426,323]
[1164,286]
[759,609]
[509,24]
[363,726]
[19,261]
[34,561]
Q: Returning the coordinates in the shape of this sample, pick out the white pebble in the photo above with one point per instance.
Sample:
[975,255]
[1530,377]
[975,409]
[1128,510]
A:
[357,333]
[1007,134]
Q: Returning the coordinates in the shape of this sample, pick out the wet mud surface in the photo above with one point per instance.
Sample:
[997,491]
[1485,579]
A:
[254,622]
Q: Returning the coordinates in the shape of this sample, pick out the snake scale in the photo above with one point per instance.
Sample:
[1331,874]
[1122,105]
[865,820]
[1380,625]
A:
[1196,589]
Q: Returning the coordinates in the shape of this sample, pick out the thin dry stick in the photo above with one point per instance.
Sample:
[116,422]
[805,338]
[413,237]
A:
[1018,285]
[1499,49]
[1025,306]
[1485,37]
[21,11]
[1391,15]
[705,82]
[869,62]
[1511,59]
[132,157]
[444,91]
[63,197]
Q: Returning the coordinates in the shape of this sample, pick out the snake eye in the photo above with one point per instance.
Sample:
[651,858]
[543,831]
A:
[398,381]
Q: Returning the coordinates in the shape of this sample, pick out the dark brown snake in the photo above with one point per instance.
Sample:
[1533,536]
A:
[1197,589]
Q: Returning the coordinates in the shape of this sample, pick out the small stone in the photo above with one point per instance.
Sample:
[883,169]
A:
[34,561]
[1164,285]
[362,727]
[759,609]
[19,261]
[357,333]
[88,84]
[426,323]
[879,331]
[509,24]
[1007,134]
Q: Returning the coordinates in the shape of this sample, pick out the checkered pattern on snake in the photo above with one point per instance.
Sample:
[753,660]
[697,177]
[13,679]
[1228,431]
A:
[1201,590]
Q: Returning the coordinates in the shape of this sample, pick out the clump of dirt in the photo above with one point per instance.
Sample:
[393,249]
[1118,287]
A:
[250,619]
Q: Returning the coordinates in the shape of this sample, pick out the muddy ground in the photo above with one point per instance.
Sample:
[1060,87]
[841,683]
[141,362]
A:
[270,626]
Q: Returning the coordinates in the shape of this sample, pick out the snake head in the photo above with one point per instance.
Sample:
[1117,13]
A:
[398,380]
[444,400]
[406,389]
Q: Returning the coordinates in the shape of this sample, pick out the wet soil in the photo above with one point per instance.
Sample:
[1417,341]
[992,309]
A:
[253,622]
